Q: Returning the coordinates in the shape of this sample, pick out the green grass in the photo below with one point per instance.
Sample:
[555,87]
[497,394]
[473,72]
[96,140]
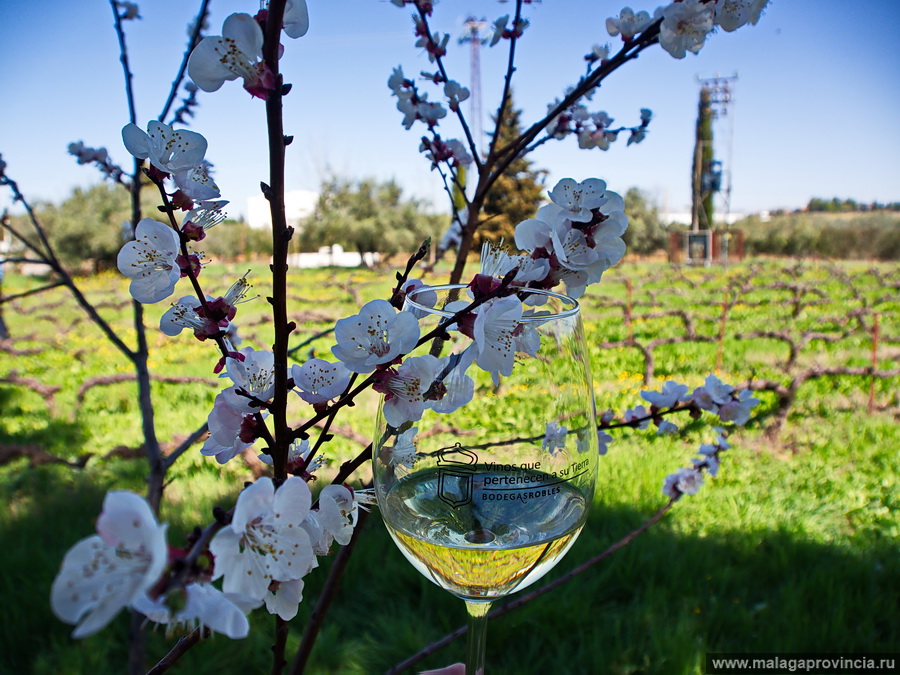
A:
[792,548]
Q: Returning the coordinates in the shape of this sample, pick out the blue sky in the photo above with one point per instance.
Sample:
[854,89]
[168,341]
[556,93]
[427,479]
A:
[815,109]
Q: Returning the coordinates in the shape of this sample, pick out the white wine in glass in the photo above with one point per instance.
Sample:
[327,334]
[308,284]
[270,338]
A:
[484,498]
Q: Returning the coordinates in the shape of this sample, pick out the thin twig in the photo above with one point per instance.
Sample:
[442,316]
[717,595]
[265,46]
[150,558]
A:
[180,649]
[53,262]
[185,445]
[192,42]
[33,291]
[507,85]
[308,341]
[459,114]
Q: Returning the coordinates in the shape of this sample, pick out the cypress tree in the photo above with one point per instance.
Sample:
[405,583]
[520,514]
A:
[518,192]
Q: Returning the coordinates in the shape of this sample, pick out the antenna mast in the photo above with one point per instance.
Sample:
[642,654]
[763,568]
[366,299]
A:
[473,29]
[716,99]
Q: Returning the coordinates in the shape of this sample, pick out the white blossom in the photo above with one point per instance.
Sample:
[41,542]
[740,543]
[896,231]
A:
[319,381]
[403,452]
[283,597]
[668,397]
[685,26]
[149,260]
[712,394]
[684,481]
[406,388]
[732,14]
[254,375]
[628,24]
[207,215]
[169,150]
[497,325]
[534,233]
[196,182]
[455,93]
[603,441]
[225,430]
[420,295]
[236,53]
[183,315]
[497,262]
[296,20]
[554,438]
[709,459]
[87,155]
[298,457]
[499,27]
[599,52]
[666,427]
[579,199]
[264,542]
[337,512]
[460,388]
[375,336]
[636,413]
[108,571]
[738,410]
[204,605]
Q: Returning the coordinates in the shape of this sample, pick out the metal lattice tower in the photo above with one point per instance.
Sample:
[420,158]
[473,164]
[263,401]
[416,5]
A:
[474,28]
[718,93]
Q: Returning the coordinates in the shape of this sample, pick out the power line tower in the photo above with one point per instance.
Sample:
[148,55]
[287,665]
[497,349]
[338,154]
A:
[716,100]
[473,31]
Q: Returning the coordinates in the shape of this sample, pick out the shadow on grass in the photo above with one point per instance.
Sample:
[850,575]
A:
[656,607]
[42,433]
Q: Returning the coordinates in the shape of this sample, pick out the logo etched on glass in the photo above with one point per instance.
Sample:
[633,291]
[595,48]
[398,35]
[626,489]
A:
[456,475]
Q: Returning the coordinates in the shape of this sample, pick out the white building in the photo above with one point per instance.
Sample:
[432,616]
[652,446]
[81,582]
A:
[684,217]
[298,204]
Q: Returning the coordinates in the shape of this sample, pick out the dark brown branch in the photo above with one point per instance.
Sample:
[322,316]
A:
[37,456]
[51,260]
[45,390]
[396,297]
[33,291]
[439,62]
[507,86]
[180,649]
[193,39]
[127,377]
[185,445]
[325,597]
[281,236]
[787,394]
[308,341]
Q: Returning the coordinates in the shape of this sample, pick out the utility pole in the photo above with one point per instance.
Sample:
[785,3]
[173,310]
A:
[474,28]
[716,97]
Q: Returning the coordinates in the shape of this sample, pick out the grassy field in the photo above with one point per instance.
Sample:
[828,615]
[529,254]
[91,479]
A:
[793,548]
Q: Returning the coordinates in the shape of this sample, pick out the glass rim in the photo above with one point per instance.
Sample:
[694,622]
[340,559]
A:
[573,310]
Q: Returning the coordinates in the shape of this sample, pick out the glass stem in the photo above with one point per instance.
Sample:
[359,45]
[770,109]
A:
[478,611]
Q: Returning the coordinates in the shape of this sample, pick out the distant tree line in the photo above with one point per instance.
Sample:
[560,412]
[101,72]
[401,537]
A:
[837,205]
[369,215]
[853,236]
[87,229]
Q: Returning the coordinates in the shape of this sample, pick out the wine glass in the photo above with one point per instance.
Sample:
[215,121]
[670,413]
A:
[484,500]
